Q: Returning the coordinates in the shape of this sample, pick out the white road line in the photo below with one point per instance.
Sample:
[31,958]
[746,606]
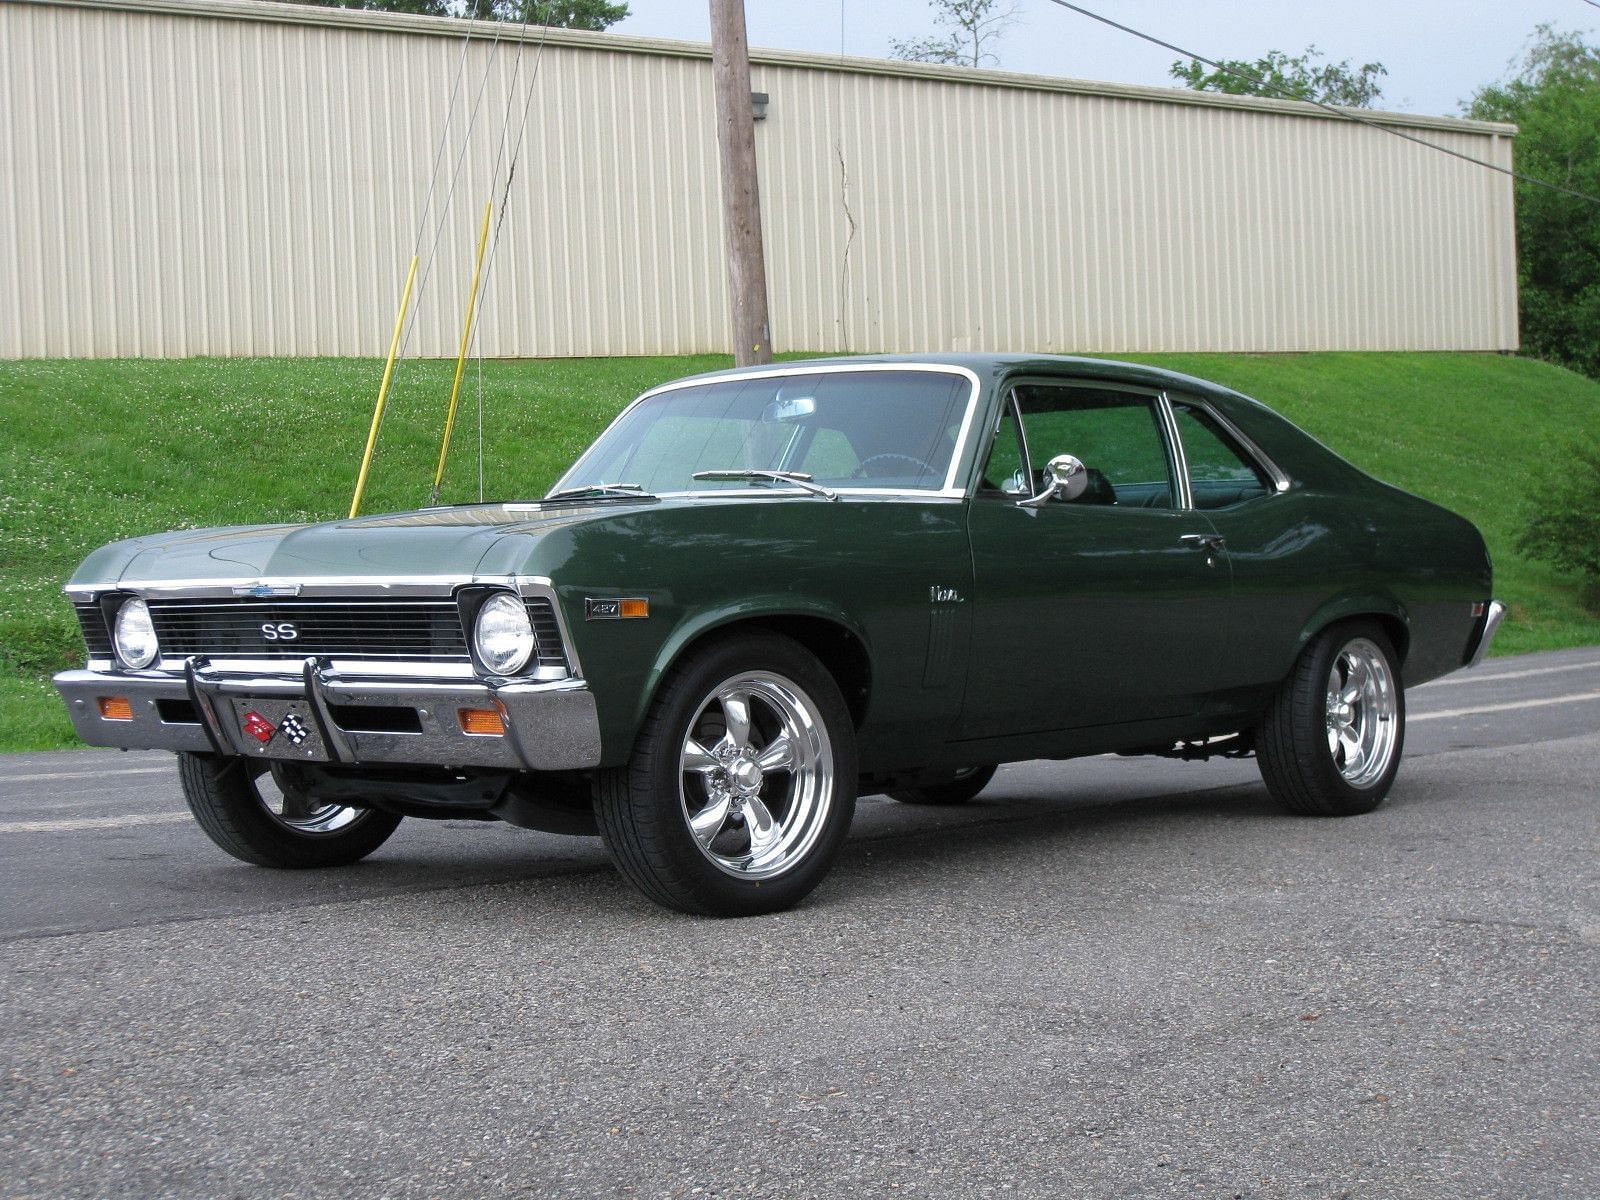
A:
[4,779]
[1575,698]
[92,823]
[1472,677]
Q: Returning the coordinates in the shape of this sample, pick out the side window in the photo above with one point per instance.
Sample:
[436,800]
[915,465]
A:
[1220,473]
[1115,434]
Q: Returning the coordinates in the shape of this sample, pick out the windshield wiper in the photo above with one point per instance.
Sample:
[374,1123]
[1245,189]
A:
[601,489]
[799,479]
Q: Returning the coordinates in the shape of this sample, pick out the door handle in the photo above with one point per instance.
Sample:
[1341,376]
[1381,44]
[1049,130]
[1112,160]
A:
[1209,542]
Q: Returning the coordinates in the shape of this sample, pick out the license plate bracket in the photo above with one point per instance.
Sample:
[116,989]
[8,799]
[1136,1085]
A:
[267,727]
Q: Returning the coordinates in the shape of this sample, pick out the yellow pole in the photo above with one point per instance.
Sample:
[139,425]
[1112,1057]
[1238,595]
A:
[383,390]
[461,356]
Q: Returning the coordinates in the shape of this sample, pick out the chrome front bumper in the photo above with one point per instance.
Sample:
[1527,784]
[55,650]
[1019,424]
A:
[549,726]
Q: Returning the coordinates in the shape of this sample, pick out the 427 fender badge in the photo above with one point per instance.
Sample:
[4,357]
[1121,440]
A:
[615,608]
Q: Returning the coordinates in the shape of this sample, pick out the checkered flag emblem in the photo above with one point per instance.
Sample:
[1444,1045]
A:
[294,730]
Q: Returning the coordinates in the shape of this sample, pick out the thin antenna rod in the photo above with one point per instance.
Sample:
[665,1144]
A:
[461,356]
[422,225]
[383,391]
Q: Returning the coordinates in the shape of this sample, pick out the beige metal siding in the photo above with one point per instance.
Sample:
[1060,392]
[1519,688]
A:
[248,179]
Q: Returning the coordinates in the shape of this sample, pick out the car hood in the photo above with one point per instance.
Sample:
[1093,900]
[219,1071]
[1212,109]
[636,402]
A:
[455,543]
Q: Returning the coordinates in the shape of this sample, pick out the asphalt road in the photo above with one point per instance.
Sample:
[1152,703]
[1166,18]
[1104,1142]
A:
[1105,978]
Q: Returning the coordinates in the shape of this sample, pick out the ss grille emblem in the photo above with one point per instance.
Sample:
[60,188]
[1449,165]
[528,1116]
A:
[281,631]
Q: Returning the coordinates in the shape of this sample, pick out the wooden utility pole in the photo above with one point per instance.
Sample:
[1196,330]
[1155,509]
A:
[741,201]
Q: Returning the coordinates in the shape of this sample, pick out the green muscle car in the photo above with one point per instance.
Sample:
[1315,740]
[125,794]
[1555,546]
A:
[764,591]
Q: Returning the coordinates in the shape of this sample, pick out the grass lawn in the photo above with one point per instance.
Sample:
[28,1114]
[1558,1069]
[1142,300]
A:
[99,450]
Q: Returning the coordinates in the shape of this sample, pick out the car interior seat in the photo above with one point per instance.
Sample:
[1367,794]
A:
[1098,491]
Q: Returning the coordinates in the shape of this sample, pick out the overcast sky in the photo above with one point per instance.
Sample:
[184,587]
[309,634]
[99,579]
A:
[1437,51]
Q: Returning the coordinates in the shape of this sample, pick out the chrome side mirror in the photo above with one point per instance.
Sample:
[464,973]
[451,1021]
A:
[1068,479]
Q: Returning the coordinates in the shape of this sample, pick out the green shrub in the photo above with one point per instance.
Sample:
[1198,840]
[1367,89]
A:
[40,644]
[1564,528]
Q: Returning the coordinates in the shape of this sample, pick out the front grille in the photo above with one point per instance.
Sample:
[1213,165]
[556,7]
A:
[96,637]
[360,629]
[350,629]
[547,632]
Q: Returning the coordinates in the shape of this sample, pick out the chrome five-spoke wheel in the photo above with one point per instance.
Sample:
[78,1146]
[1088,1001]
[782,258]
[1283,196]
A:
[756,779]
[1361,712]
[742,783]
[1329,742]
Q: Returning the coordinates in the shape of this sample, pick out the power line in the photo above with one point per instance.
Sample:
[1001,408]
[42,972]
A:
[1347,114]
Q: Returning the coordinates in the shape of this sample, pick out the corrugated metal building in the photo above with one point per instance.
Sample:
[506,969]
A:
[241,178]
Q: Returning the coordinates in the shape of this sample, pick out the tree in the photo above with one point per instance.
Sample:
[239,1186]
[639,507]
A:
[968,30]
[593,15]
[425,8]
[1554,100]
[562,14]
[1302,78]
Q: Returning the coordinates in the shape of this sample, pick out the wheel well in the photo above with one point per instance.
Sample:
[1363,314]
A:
[1399,636]
[835,647]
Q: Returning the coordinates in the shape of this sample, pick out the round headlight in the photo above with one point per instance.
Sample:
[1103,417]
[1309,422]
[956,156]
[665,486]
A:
[503,635]
[135,636]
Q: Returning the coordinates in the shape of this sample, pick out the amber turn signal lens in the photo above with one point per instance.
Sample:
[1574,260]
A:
[482,720]
[116,708]
[635,608]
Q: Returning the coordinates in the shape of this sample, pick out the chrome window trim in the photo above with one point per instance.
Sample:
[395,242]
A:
[950,488]
[1015,405]
[1177,459]
[1280,480]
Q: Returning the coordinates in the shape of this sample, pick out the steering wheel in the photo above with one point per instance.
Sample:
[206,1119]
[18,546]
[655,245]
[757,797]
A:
[923,467]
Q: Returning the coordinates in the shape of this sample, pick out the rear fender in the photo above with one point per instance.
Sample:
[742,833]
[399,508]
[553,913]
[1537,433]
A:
[1390,613]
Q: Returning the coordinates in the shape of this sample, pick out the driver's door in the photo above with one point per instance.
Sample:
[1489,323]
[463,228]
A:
[1101,610]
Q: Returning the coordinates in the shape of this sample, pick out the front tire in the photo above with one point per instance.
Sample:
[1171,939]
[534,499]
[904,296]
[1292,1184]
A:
[1331,740]
[741,788]
[285,829]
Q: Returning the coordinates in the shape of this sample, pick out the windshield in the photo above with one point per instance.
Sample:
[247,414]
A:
[843,429]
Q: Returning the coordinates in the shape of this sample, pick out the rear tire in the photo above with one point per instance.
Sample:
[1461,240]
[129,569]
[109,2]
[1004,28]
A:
[254,827]
[963,785]
[1331,739]
[742,784]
